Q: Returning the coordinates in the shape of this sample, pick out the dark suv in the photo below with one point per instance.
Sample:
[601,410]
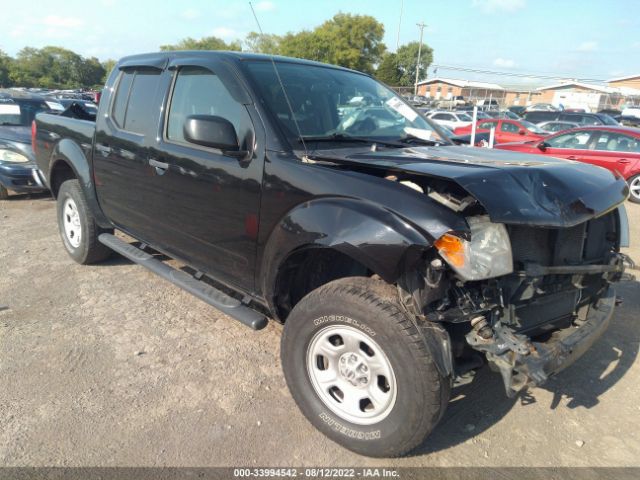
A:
[580,118]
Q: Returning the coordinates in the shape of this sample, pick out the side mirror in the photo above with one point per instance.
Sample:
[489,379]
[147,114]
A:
[213,131]
[542,146]
[522,132]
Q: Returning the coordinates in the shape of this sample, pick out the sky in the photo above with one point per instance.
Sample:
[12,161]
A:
[586,39]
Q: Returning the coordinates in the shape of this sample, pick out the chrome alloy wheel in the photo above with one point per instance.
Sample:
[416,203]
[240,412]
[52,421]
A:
[71,222]
[351,374]
[634,187]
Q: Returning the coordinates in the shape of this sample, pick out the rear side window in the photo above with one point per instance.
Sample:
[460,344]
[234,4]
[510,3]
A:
[198,91]
[122,95]
[487,125]
[617,142]
[135,100]
[509,127]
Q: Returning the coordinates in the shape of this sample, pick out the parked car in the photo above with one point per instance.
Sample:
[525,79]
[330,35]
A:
[506,114]
[610,111]
[517,109]
[396,260]
[481,139]
[417,100]
[506,130]
[453,102]
[557,126]
[628,121]
[90,107]
[542,107]
[18,172]
[614,148]
[452,119]
[487,104]
[580,118]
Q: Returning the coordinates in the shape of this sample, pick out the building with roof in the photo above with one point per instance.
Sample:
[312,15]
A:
[591,97]
[630,81]
[446,88]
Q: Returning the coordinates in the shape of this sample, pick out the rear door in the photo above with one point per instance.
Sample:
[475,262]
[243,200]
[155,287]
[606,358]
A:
[508,131]
[211,200]
[127,191]
[617,152]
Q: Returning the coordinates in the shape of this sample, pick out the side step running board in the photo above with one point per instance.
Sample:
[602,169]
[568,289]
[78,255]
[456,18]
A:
[214,297]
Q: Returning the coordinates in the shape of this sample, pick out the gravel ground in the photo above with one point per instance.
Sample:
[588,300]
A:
[109,365]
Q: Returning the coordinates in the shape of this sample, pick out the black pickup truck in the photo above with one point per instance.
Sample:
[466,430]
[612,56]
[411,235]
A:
[315,196]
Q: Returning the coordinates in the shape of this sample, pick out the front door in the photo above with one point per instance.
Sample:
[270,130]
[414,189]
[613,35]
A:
[211,200]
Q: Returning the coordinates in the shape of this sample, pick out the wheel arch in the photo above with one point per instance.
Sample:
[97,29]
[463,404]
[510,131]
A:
[334,238]
[70,161]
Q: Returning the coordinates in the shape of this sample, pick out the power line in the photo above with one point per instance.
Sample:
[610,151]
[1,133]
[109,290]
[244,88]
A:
[514,74]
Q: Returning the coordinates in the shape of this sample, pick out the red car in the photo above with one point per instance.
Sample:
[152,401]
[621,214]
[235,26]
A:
[614,148]
[506,130]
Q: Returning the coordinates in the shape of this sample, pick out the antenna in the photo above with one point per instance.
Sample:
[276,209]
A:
[286,97]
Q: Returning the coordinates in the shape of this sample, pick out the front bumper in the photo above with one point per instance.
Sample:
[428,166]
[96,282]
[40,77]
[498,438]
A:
[21,177]
[522,362]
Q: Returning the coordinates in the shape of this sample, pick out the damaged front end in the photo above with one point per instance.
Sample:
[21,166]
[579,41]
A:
[531,299]
[527,285]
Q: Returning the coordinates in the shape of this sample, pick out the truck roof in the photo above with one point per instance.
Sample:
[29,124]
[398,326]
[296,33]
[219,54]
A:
[158,58]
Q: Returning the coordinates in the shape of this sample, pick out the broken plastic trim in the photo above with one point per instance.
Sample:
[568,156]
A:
[522,362]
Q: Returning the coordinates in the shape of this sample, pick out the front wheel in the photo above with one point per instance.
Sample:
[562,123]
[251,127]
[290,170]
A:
[359,369]
[4,193]
[78,228]
[634,189]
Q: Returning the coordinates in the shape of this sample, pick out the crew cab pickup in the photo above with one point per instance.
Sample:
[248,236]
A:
[317,197]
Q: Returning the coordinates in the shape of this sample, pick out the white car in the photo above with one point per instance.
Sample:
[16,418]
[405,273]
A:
[452,120]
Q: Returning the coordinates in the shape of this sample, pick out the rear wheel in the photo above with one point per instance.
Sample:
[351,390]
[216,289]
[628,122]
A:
[634,189]
[4,193]
[359,369]
[78,228]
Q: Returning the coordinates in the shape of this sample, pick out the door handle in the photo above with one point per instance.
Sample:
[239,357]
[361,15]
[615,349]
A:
[624,160]
[572,157]
[160,167]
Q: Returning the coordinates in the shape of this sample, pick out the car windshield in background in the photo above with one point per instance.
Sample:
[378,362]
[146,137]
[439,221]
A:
[464,117]
[20,112]
[607,119]
[532,127]
[331,103]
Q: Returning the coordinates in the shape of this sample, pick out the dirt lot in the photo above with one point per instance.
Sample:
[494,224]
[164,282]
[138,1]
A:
[110,365]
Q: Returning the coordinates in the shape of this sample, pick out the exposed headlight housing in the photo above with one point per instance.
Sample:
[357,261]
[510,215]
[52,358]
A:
[486,255]
[11,156]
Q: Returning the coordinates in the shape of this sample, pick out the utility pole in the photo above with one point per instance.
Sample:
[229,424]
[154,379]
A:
[399,25]
[421,26]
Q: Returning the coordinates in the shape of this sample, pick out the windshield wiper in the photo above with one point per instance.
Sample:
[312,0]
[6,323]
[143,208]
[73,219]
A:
[342,138]
[10,124]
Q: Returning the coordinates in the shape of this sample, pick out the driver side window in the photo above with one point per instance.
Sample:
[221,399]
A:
[198,91]
[573,140]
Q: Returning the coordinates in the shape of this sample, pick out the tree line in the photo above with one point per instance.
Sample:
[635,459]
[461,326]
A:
[352,41]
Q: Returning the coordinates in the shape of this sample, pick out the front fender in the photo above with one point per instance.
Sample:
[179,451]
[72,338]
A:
[370,234]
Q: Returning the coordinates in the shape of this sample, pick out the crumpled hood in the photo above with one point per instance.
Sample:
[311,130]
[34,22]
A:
[513,187]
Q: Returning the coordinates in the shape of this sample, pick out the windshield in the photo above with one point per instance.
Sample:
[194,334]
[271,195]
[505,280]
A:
[20,112]
[332,103]
[464,117]
[532,127]
[607,119]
